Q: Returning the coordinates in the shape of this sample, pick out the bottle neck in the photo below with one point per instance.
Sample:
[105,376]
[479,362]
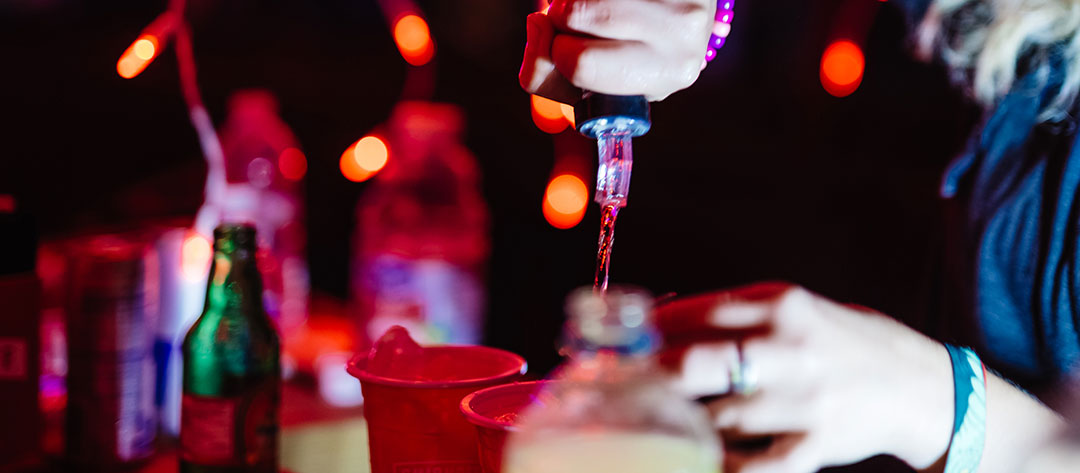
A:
[235,284]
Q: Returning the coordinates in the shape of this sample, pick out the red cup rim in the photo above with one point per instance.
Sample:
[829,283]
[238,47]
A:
[484,421]
[355,367]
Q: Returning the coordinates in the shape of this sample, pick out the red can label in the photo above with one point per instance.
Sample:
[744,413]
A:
[208,430]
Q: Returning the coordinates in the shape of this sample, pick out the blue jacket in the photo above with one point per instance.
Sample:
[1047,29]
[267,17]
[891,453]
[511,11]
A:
[1011,283]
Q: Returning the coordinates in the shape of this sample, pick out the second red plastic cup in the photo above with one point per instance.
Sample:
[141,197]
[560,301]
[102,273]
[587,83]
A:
[414,424]
[494,412]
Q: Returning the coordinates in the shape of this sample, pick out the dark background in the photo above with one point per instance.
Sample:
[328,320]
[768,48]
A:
[753,173]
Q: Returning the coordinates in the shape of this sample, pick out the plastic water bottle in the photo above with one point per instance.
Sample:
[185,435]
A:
[610,408]
[422,233]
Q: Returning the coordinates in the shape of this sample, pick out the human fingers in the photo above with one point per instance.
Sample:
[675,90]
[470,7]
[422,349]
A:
[668,25]
[619,67]
[788,453]
[538,74]
[765,411]
[705,369]
[741,308]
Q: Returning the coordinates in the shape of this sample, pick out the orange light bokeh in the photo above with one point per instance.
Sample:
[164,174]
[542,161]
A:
[137,56]
[195,254]
[565,200]
[842,67]
[350,169]
[550,116]
[364,159]
[144,49]
[371,153]
[413,39]
[293,164]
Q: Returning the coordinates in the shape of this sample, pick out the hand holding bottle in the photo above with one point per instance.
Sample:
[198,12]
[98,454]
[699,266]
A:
[618,47]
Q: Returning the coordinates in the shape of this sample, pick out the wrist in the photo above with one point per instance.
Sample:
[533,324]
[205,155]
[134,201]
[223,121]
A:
[924,419]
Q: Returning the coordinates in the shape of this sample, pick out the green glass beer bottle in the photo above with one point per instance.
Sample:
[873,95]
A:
[232,374]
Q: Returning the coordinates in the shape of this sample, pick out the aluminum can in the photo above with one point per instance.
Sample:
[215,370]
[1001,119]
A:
[111,311]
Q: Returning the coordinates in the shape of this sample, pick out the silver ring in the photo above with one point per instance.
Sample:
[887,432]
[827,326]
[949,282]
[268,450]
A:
[744,375]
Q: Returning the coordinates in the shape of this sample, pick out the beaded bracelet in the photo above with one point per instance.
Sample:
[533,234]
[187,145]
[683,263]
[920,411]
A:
[969,421]
[725,12]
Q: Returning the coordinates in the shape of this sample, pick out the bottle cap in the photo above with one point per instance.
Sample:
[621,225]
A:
[599,112]
[619,320]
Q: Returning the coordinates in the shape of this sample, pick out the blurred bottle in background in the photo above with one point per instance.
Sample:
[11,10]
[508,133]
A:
[421,239]
[19,340]
[111,305]
[421,242]
[610,407]
[265,168]
[232,370]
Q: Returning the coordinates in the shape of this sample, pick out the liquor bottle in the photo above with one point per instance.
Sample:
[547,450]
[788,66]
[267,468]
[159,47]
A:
[232,374]
[610,407]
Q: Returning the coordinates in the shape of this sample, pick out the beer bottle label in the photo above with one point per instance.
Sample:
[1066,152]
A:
[208,430]
[230,430]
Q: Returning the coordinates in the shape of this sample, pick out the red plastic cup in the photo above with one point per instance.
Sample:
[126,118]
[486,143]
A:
[494,412]
[414,424]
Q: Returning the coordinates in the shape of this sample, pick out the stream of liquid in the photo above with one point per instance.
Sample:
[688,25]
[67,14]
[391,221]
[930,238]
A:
[604,246]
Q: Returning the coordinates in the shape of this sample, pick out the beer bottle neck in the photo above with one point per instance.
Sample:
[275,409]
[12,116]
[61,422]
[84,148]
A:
[235,284]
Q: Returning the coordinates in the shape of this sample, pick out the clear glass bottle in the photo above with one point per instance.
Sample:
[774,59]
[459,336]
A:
[611,408]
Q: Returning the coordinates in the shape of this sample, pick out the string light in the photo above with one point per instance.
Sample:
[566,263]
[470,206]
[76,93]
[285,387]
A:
[565,200]
[147,46]
[137,56]
[413,39]
[842,66]
[292,163]
[364,159]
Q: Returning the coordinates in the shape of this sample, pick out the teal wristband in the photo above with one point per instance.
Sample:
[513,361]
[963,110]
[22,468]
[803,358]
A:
[969,424]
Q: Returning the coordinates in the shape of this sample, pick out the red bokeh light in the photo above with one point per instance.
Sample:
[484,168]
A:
[565,201]
[842,67]
[413,39]
[293,164]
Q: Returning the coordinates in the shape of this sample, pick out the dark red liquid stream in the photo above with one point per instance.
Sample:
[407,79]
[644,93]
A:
[607,241]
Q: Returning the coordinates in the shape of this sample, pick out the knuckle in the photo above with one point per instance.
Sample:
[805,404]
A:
[588,15]
[792,299]
[692,19]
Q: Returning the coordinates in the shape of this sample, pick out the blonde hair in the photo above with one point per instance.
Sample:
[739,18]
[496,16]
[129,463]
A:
[985,42]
